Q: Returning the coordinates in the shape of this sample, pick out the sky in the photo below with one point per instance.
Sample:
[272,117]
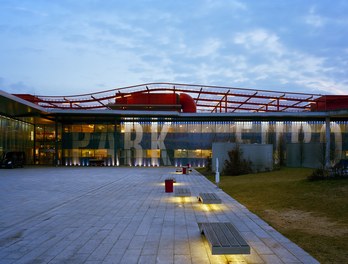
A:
[69,47]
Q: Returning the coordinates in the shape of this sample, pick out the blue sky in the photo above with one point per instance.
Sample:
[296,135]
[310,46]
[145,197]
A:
[70,47]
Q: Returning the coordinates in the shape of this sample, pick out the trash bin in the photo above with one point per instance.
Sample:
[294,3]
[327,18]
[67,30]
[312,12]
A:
[184,170]
[169,185]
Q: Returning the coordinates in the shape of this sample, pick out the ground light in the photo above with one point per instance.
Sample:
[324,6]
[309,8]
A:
[213,207]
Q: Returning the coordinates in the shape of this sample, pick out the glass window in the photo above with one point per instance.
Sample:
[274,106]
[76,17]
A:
[194,128]
[86,128]
[180,127]
[206,153]
[180,153]
[222,128]
[100,153]
[147,127]
[196,153]
[111,128]
[76,128]
[86,153]
[67,128]
[121,128]
[153,153]
[100,128]
[40,133]
[208,128]
[50,133]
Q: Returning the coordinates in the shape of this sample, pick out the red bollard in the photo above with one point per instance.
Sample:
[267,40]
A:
[169,185]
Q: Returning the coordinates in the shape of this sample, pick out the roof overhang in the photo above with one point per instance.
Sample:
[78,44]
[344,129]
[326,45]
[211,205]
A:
[17,108]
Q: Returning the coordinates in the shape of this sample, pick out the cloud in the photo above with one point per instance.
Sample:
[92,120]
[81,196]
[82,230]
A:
[230,4]
[313,19]
[266,60]
[16,88]
[30,11]
[260,40]
[204,49]
[323,85]
[210,47]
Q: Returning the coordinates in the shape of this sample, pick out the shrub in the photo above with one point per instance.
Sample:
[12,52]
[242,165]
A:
[236,165]
[325,174]
[208,164]
[319,174]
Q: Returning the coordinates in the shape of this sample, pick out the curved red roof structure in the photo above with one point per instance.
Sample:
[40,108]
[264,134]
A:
[205,98]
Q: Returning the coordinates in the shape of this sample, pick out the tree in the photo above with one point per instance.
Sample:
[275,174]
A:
[236,165]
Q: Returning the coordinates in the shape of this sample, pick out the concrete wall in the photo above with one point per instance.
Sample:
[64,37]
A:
[310,155]
[261,155]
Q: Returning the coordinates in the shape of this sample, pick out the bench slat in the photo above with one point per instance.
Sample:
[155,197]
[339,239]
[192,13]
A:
[231,235]
[223,241]
[236,234]
[210,234]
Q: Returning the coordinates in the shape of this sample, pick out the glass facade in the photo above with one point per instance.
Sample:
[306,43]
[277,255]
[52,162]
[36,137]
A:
[171,143]
[83,143]
[47,144]
[17,136]
[179,143]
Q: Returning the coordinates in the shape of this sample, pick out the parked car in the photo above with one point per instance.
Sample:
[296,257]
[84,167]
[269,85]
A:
[12,159]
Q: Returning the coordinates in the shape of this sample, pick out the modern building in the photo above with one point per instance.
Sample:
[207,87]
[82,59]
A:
[164,124]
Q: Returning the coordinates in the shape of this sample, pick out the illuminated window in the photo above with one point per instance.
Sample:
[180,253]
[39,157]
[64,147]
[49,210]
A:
[194,128]
[208,128]
[196,153]
[100,128]
[67,128]
[86,153]
[153,153]
[87,128]
[76,128]
[100,153]
[147,128]
[206,153]
[180,128]
[180,153]
[111,128]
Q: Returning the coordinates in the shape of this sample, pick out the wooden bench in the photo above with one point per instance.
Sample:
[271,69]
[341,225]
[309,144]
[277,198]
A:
[182,192]
[209,198]
[224,238]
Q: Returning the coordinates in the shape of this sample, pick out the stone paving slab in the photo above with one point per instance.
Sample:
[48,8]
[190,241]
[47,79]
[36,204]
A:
[123,215]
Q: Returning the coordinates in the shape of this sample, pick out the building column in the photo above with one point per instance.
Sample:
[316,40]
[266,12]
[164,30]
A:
[34,146]
[328,143]
[115,143]
[56,157]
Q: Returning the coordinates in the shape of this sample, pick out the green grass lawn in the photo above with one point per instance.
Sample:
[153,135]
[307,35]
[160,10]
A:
[313,214]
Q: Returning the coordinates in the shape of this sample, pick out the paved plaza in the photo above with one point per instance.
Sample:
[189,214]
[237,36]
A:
[123,215]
